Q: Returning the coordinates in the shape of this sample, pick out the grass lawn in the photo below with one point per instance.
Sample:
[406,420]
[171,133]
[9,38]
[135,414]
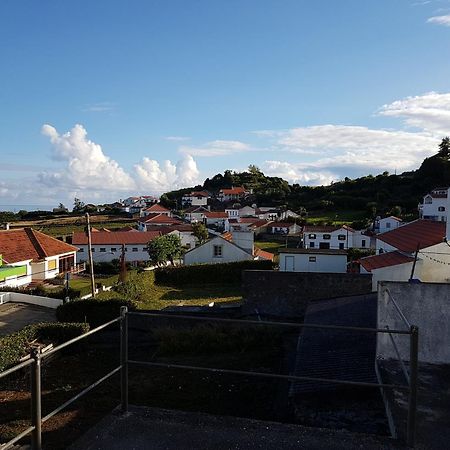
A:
[335,217]
[140,287]
[272,247]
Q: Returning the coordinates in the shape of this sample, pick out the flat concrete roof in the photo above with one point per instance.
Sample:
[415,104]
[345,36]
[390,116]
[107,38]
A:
[158,429]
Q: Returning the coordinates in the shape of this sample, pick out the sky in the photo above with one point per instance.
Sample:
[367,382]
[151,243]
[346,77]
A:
[105,99]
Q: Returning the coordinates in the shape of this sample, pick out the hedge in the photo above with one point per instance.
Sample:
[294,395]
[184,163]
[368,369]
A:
[93,311]
[208,273]
[16,345]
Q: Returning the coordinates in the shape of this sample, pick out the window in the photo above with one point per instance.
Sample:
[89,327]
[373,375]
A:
[311,244]
[363,243]
[441,208]
[93,249]
[341,246]
[312,259]
[102,249]
[341,237]
[428,200]
[81,250]
[388,224]
[52,264]
[312,236]
[135,249]
[113,249]
[217,251]
[327,236]
[324,245]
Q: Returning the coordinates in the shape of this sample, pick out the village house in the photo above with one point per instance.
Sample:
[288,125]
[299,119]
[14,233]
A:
[233,194]
[216,219]
[29,255]
[313,260]
[196,198]
[416,250]
[157,219]
[182,230]
[284,228]
[230,247]
[335,237]
[434,206]
[233,213]
[156,209]
[387,224]
[195,214]
[107,246]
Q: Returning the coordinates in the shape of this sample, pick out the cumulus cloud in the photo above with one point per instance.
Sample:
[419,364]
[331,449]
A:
[440,20]
[216,148]
[298,173]
[87,165]
[159,178]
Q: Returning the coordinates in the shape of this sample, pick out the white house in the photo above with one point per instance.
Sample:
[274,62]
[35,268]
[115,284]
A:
[284,228]
[231,247]
[247,211]
[107,246]
[216,218]
[396,252]
[39,256]
[183,231]
[233,213]
[313,260]
[267,213]
[434,206]
[387,224]
[233,194]
[156,209]
[196,198]
[157,219]
[334,237]
[195,214]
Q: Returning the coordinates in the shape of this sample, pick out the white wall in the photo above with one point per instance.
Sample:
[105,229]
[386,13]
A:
[30,299]
[387,224]
[380,245]
[334,241]
[435,271]
[399,272]
[204,254]
[431,210]
[109,254]
[323,263]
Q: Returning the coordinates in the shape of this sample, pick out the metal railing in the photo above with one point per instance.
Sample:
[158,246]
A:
[37,420]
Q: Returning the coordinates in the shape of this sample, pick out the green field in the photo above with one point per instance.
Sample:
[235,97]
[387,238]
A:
[141,288]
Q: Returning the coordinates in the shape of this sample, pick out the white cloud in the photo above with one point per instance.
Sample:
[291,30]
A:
[216,148]
[159,178]
[440,20]
[297,173]
[429,112]
[87,166]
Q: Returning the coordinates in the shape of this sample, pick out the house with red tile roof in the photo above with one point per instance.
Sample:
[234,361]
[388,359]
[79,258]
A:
[233,194]
[416,250]
[196,198]
[195,214]
[216,218]
[42,256]
[157,219]
[387,224]
[156,209]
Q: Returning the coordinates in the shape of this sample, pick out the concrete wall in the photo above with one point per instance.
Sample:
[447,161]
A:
[400,272]
[30,299]
[112,252]
[300,262]
[288,293]
[426,305]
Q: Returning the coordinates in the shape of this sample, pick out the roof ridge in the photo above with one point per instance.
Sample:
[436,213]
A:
[35,241]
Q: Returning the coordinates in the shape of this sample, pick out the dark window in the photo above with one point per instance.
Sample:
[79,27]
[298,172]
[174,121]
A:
[324,245]
[312,259]
[102,250]
[217,251]
[135,249]
[311,244]
[441,208]
[312,236]
[341,246]
[363,243]
[113,249]
[341,237]
[81,250]
[327,236]
[93,250]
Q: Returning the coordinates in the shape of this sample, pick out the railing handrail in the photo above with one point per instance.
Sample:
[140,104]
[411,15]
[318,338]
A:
[405,320]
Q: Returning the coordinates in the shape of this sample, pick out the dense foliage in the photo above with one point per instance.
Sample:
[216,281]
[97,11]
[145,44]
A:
[16,345]
[208,273]
[164,248]
[200,231]
[94,312]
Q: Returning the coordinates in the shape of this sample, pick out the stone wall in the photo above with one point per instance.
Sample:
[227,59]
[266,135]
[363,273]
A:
[426,305]
[287,293]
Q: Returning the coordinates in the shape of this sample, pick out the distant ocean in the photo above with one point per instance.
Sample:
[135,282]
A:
[17,208]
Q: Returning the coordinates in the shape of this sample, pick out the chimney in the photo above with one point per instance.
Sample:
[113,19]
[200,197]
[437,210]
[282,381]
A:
[244,239]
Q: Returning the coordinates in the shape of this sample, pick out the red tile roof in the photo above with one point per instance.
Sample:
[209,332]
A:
[233,191]
[157,208]
[384,260]
[216,215]
[28,244]
[169,228]
[263,254]
[424,233]
[227,236]
[198,194]
[159,218]
[117,238]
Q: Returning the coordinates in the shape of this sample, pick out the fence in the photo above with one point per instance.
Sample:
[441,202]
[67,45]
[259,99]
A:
[36,357]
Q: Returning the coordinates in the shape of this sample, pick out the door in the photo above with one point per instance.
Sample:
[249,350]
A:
[289,264]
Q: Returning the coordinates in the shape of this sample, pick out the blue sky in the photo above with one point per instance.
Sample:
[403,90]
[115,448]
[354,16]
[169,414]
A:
[102,99]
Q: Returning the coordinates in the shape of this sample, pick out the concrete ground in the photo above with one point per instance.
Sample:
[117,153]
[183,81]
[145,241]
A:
[157,429]
[15,316]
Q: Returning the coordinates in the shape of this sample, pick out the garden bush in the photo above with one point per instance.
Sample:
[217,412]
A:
[16,345]
[208,273]
[93,311]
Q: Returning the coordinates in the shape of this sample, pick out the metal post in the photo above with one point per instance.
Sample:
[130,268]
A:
[413,376]
[36,413]
[124,358]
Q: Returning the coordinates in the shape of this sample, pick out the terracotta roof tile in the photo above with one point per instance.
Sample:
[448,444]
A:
[424,233]
[216,215]
[263,254]
[159,218]
[384,260]
[28,244]
[157,208]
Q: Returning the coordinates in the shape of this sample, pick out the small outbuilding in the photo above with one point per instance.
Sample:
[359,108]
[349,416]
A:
[313,260]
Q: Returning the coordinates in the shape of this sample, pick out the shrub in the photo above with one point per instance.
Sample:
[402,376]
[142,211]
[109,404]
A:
[208,273]
[16,345]
[93,311]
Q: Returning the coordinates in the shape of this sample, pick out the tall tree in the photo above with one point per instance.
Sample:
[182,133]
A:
[164,248]
[200,231]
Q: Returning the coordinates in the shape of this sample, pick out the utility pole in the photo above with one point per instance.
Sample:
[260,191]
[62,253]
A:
[91,262]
